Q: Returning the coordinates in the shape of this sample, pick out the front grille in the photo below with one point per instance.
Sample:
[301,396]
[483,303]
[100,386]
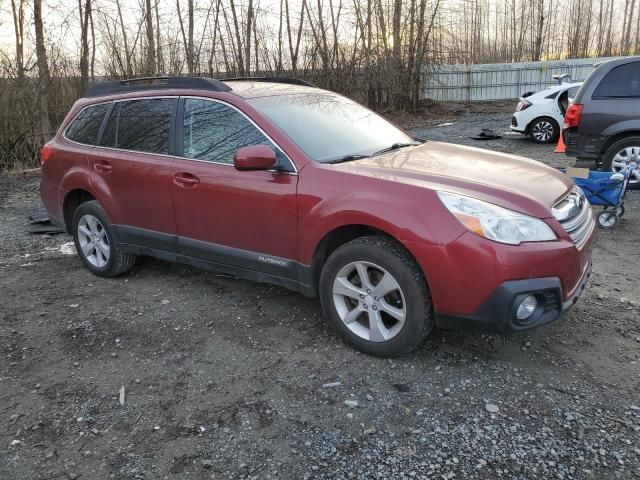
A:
[575,215]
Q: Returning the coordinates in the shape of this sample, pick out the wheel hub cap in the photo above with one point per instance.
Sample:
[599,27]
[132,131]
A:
[542,131]
[369,301]
[626,157]
[93,240]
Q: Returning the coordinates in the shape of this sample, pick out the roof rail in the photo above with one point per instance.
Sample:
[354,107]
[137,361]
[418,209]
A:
[289,80]
[154,83]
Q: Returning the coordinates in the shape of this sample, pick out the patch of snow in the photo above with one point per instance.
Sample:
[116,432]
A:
[68,248]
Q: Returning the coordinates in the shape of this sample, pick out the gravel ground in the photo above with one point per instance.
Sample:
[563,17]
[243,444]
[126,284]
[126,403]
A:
[227,379]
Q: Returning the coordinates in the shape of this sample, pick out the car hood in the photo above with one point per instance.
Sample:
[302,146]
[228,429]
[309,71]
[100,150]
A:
[514,182]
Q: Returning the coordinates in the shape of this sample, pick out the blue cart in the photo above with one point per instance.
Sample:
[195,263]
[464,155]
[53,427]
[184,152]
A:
[607,190]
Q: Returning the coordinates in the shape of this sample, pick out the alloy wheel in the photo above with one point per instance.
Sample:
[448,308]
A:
[624,158]
[542,131]
[94,241]
[369,301]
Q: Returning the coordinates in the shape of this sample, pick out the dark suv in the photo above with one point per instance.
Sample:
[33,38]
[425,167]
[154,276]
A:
[285,183]
[603,123]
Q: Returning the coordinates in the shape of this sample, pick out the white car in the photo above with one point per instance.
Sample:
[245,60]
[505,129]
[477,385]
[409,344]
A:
[541,114]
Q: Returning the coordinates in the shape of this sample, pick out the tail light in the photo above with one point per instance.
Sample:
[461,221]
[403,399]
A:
[46,153]
[572,117]
[523,105]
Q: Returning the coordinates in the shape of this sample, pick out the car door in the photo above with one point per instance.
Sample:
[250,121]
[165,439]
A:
[246,219]
[132,170]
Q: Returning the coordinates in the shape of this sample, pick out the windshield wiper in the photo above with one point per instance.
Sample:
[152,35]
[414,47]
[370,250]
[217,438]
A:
[347,158]
[396,146]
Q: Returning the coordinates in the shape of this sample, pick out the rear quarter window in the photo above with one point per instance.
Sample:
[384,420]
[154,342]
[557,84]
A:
[621,82]
[85,127]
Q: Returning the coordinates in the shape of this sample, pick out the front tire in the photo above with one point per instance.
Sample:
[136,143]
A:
[375,295]
[544,130]
[95,242]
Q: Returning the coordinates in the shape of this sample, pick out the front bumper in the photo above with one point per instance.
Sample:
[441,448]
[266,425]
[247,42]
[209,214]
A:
[498,312]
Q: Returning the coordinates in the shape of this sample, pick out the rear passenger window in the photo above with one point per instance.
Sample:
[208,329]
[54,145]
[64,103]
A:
[85,128]
[140,125]
[213,131]
[621,82]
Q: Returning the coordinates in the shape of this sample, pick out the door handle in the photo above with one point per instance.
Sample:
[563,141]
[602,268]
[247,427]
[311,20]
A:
[185,180]
[102,167]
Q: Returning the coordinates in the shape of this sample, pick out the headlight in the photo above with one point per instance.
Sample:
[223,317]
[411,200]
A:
[496,223]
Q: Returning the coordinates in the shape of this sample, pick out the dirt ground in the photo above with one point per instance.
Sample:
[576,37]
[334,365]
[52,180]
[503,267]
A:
[229,379]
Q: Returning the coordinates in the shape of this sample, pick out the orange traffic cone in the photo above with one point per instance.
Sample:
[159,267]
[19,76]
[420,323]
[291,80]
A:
[561,147]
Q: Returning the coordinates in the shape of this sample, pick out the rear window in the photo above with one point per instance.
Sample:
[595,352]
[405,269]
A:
[85,127]
[140,125]
[621,82]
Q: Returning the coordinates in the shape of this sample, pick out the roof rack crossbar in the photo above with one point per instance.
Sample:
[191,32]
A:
[289,80]
[153,83]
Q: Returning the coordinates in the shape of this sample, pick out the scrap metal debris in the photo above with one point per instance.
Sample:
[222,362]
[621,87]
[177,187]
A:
[40,223]
[487,134]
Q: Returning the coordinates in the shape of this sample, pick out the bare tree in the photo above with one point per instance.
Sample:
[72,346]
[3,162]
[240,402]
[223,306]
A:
[125,41]
[84,42]
[294,41]
[247,43]
[238,46]
[187,39]
[43,68]
[151,49]
[18,27]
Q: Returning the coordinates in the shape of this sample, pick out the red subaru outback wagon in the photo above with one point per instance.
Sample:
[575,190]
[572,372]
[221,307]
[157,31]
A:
[278,181]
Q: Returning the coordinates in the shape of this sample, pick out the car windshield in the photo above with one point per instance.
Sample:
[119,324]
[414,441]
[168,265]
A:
[329,127]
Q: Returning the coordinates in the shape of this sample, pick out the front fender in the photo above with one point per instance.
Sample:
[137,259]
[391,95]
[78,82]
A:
[406,213]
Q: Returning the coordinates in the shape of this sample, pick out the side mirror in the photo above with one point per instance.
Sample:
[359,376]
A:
[255,157]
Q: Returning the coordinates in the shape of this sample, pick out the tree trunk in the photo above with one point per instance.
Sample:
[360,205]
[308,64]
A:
[43,68]
[159,62]
[125,41]
[537,48]
[191,56]
[18,26]
[93,45]
[234,16]
[247,43]
[151,49]
[187,41]
[294,50]
[84,43]
[627,38]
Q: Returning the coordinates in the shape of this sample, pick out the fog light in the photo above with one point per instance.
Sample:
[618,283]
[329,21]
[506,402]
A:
[526,307]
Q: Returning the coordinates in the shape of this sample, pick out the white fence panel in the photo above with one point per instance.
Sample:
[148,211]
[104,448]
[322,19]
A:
[499,81]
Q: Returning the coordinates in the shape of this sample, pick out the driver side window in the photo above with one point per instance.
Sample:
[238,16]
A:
[213,131]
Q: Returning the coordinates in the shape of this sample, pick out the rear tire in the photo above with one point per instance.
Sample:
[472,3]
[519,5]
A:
[544,130]
[95,242]
[393,323]
[621,153]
